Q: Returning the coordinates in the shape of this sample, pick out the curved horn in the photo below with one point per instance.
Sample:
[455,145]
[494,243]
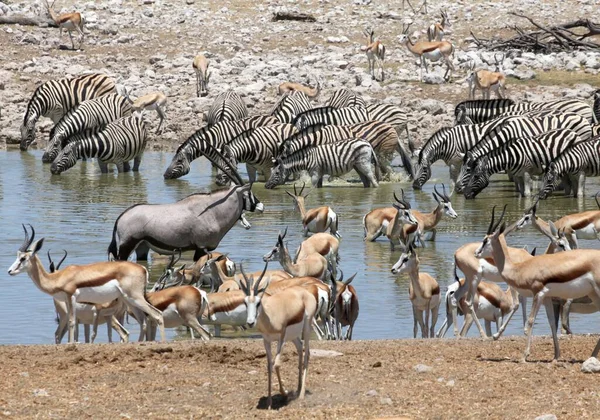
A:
[437,192]
[446,197]
[295,192]
[596,198]
[341,279]
[303,185]
[500,219]
[245,288]
[27,240]
[178,257]
[491,226]
[284,233]
[347,282]
[51,263]
[256,291]
[61,260]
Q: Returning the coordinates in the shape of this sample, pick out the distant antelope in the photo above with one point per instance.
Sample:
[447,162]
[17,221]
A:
[284,316]
[312,93]
[424,292]
[69,21]
[375,51]
[436,31]
[315,220]
[200,65]
[486,80]
[151,101]
[433,51]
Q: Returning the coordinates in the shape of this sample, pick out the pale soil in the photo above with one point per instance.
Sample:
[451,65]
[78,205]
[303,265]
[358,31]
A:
[227,379]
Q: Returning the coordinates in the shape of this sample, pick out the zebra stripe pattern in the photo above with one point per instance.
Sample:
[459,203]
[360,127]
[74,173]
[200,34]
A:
[335,159]
[119,142]
[576,162]
[291,104]
[257,148]
[330,116]
[519,157]
[215,136]
[228,106]
[596,107]
[343,98]
[390,114]
[97,112]
[54,98]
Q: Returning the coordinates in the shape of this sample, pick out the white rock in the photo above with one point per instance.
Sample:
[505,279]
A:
[74,69]
[591,365]
[433,79]
[371,393]
[546,417]
[420,368]
[337,39]
[310,59]
[324,353]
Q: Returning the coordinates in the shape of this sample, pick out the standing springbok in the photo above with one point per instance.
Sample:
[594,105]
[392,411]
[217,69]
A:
[320,243]
[314,265]
[436,31]
[404,216]
[284,316]
[200,65]
[314,220]
[69,21]
[566,275]
[423,292]
[345,309]
[151,101]
[377,221]
[375,51]
[433,51]
[96,283]
[486,80]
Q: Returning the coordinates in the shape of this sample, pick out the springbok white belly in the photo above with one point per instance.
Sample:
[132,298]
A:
[421,304]
[489,272]
[172,317]
[487,311]
[588,232]
[578,287]
[434,55]
[291,333]
[235,317]
[105,293]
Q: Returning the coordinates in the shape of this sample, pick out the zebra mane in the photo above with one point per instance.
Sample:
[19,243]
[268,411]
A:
[483,103]
[434,137]
[313,110]
[311,129]
[191,138]
[34,99]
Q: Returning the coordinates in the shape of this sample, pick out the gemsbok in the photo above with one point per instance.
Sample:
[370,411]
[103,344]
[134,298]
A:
[96,283]
[315,220]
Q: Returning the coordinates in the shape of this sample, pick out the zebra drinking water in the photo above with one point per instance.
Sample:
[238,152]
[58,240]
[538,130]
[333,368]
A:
[228,106]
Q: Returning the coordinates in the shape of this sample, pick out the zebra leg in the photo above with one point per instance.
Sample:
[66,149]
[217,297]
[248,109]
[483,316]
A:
[126,167]
[527,181]
[580,185]
[366,174]
[252,173]
[136,163]
[103,167]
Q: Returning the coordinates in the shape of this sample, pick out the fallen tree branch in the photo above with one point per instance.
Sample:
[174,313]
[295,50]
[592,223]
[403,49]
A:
[26,21]
[302,17]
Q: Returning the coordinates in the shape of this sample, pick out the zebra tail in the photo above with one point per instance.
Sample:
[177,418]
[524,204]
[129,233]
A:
[406,161]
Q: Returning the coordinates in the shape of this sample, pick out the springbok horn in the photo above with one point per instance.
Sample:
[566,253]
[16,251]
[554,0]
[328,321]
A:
[25,243]
[491,226]
[245,288]
[501,217]
[51,263]
[302,190]
[341,276]
[596,198]
[446,197]
[256,291]
[437,192]
[295,192]
[61,260]
[347,282]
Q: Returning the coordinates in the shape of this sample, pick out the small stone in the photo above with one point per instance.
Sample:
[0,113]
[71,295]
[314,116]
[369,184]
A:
[254,372]
[206,384]
[450,382]
[148,12]
[324,353]
[24,374]
[546,417]
[377,364]
[40,393]
[420,368]
[385,401]
[371,393]
[591,365]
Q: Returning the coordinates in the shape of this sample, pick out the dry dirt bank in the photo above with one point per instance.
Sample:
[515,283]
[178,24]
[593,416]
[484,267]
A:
[227,379]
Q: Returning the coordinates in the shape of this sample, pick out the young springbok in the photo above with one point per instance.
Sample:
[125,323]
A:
[436,31]
[345,309]
[377,221]
[200,65]
[315,220]
[432,51]
[486,80]
[96,283]
[566,275]
[320,243]
[69,21]
[314,265]
[284,316]
[423,292]
[182,276]
[375,51]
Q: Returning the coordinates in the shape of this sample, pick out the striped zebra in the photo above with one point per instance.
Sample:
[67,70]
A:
[118,143]
[382,137]
[257,148]
[291,104]
[515,127]
[596,107]
[572,166]
[54,98]
[211,136]
[449,144]
[227,106]
[343,98]
[97,112]
[469,112]
[596,130]
[330,116]
[522,158]
[391,114]
[335,159]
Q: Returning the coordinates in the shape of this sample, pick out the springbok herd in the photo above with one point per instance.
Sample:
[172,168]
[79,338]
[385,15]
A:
[557,140]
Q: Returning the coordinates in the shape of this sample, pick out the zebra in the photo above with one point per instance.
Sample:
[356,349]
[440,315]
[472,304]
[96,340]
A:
[335,159]
[97,112]
[291,104]
[215,136]
[54,98]
[482,110]
[572,166]
[330,116]
[596,107]
[515,127]
[343,98]
[227,106]
[257,147]
[521,157]
[118,142]
[391,114]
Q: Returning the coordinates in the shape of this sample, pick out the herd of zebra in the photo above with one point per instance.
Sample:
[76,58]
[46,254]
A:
[93,120]
[557,140]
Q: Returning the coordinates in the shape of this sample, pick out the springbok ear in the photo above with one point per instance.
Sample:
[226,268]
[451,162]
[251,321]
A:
[37,245]
[181,268]
[553,229]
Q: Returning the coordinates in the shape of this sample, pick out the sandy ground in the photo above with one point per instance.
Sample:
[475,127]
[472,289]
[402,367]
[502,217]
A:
[227,379]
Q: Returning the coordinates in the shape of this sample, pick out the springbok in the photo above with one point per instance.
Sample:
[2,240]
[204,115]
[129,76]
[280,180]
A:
[312,93]
[432,51]
[314,220]
[436,31]
[486,80]
[151,101]
[284,316]
[566,275]
[96,283]
[377,221]
[423,292]
[375,51]
[200,65]
[320,243]
[345,309]
[314,265]
[69,21]
[396,226]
